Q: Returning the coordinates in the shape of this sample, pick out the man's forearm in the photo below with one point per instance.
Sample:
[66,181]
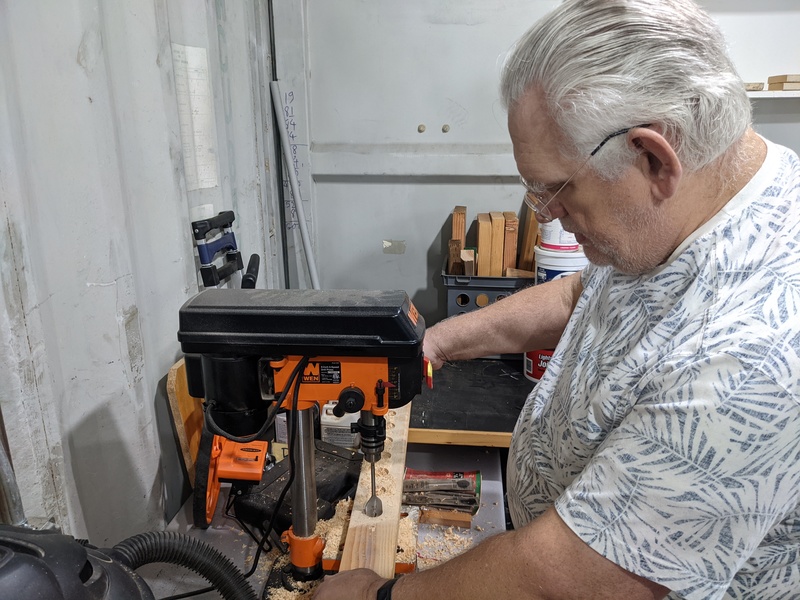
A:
[489,570]
[529,319]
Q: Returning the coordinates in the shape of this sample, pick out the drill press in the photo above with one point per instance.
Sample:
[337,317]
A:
[251,352]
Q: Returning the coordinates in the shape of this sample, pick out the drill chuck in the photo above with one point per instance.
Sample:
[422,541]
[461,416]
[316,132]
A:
[372,430]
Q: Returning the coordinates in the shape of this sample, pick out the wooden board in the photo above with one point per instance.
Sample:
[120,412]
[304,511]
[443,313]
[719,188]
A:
[372,541]
[484,244]
[187,414]
[529,232]
[520,273]
[448,518]
[468,258]
[510,241]
[459,225]
[453,437]
[784,87]
[790,78]
[498,238]
[455,266]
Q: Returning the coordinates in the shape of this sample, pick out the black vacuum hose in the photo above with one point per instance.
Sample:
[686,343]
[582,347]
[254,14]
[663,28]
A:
[188,552]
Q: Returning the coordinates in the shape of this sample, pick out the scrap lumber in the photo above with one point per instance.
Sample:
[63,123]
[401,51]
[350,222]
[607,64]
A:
[529,232]
[187,415]
[498,239]
[784,86]
[789,78]
[455,266]
[521,273]
[484,244]
[468,259]
[449,518]
[510,241]
[459,225]
[371,542]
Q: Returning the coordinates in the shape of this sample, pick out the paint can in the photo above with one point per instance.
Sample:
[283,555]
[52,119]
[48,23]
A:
[536,363]
[551,265]
[553,237]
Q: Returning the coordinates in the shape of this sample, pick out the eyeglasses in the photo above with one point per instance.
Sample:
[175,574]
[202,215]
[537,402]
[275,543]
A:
[538,197]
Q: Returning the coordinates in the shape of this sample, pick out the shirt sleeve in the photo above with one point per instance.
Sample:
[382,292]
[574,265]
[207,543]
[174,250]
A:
[699,470]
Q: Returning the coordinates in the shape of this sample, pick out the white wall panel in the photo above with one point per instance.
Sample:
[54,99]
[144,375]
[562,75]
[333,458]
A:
[378,70]
[95,238]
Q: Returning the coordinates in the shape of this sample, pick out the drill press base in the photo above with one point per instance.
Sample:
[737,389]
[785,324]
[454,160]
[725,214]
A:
[336,470]
[281,578]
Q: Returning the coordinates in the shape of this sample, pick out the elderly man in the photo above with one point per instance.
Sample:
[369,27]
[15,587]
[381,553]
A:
[660,453]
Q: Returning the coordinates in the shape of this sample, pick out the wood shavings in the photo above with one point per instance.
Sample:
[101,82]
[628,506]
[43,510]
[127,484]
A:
[407,540]
[334,530]
[441,545]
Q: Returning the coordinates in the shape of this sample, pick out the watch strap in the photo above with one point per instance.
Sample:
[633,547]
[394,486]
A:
[385,591]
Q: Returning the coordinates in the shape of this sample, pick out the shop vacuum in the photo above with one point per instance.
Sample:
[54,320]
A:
[48,565]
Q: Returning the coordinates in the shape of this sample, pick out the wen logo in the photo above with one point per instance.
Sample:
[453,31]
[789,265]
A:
[311,373]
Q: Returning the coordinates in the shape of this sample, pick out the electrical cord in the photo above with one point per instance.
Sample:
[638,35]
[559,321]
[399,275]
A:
[293,383]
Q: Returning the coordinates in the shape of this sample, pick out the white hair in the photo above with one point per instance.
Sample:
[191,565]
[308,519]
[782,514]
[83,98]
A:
[604,65]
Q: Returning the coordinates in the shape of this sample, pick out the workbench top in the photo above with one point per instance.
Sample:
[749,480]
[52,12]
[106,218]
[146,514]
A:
[473,402]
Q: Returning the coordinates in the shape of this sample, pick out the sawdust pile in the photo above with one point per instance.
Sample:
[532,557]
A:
[448,543]
[334,530]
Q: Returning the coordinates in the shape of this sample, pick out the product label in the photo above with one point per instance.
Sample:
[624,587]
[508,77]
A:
[323,372]
[543,275]
[536,363]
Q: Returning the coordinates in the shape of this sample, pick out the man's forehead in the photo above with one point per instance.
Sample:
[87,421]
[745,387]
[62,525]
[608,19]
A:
[534,134]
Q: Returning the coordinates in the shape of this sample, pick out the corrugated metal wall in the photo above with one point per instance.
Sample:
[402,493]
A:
[97,252]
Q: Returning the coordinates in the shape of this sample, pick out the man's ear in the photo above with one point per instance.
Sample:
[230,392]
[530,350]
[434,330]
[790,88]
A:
[657,161]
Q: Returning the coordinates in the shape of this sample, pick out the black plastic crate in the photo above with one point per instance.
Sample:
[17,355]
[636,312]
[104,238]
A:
[465,294]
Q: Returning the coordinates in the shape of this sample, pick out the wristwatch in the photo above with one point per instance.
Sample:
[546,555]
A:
[385,591]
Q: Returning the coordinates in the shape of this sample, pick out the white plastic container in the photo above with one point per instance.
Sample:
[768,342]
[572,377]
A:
[551,265]
[336,430]
[555,238]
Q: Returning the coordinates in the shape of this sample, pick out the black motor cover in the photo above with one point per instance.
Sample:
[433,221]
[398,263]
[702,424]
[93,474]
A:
[48,565]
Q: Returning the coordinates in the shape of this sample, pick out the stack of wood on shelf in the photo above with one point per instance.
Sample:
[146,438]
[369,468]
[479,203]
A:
[502,249]
[784,83]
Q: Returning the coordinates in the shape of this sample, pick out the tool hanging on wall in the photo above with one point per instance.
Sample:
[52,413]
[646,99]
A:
[219,459]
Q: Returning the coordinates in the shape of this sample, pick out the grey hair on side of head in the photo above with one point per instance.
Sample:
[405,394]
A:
[604,65]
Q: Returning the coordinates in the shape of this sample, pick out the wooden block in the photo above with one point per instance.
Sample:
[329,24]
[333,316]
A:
[510,241]
[449,518]
[520,273]
[460,437]
[498,239]
[529,233]
[187,414]
[455,266]
[459,225]
[791,78]
[484,244]
[754,87]
[784,87]
[371,542]
[468,259]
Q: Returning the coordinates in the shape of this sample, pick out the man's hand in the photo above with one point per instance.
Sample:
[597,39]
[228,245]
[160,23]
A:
[430,348]
[359,584]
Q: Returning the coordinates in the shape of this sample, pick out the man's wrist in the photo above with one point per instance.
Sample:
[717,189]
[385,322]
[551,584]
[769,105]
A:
[385,591]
